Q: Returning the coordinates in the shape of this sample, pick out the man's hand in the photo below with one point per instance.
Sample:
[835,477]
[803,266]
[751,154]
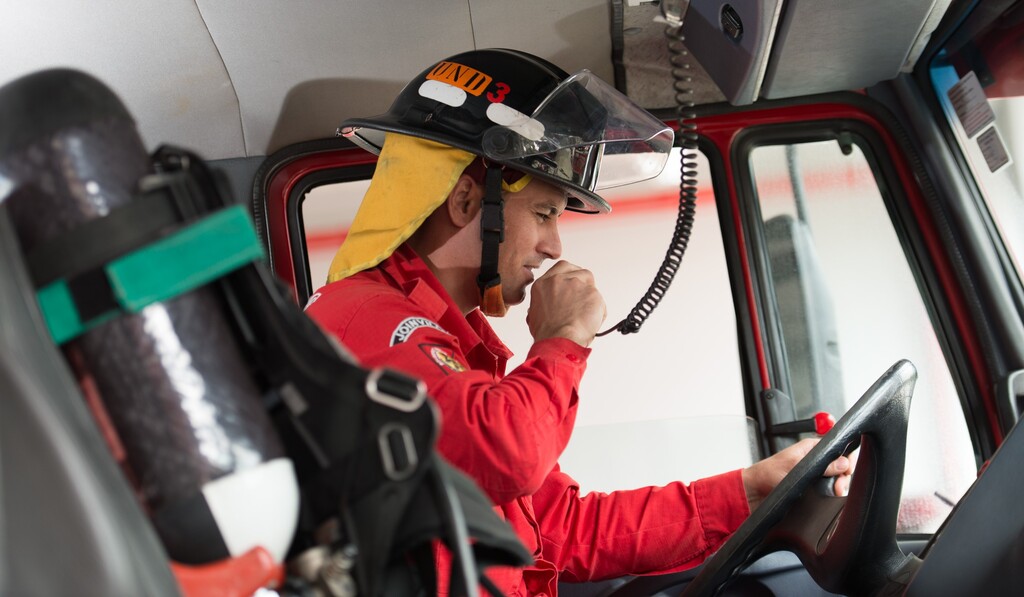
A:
[760,478]
[565,303]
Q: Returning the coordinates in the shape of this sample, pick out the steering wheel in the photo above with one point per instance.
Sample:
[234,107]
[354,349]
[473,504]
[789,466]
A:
[847,544]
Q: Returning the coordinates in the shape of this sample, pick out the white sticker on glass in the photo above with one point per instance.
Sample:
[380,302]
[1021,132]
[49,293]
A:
[993,149]
[971,104]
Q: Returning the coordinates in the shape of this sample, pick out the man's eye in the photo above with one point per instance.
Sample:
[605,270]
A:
[544,216]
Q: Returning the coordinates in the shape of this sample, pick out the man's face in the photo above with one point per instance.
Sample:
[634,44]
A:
[531,236]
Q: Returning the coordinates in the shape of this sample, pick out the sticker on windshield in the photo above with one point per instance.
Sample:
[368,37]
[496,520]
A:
[971,105]
[458,75]
[993,149]
[410,325]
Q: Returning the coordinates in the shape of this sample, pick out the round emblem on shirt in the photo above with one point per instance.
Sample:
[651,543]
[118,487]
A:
[408,326]
[444,357]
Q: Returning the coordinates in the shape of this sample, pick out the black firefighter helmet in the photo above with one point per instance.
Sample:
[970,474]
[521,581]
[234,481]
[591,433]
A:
[521,111]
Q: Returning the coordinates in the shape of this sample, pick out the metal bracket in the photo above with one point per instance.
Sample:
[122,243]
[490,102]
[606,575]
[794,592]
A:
[387,455]
[390,395]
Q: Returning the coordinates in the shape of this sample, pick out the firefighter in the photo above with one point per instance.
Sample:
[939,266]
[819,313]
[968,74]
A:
[479,155]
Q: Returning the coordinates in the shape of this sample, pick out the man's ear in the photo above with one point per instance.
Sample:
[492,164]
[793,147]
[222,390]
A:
[463,201]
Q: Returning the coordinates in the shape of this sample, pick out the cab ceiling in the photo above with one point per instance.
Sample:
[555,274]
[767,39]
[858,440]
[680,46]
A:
[229,78]
[232,79]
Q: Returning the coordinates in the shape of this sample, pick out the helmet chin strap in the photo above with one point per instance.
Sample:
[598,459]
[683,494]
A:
[492,233]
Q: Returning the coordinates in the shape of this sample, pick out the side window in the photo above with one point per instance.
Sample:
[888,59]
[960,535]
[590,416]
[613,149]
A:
[849,306]
[327,213]
[666,403]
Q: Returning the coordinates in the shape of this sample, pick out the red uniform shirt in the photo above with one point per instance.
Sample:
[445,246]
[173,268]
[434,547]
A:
[507,431]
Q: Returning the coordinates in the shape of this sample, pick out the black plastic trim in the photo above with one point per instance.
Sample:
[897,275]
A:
[779,573]
[925,115]
[749,365]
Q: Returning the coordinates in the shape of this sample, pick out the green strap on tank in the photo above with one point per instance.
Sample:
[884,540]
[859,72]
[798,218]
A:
[191,257]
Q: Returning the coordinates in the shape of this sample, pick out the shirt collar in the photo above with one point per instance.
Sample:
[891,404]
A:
[413,275]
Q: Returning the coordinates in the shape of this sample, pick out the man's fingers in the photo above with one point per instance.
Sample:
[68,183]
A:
[838,466]
[561,267]
[565,302]
[806,445]
[566,269]
[840,469]
[841,487]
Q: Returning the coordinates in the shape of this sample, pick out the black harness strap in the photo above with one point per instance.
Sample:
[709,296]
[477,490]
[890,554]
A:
[129,227]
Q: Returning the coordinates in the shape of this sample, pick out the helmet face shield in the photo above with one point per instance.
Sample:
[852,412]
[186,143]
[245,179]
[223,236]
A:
[584,133]
[577,166]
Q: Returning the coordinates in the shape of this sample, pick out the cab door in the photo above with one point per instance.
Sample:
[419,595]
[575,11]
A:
[842,273]
[883,225]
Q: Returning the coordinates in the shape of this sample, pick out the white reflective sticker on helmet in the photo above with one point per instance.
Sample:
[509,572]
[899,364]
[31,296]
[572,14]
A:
[515,120]
[443,92]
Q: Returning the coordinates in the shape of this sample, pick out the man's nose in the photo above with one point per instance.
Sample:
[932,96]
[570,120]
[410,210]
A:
[551,243]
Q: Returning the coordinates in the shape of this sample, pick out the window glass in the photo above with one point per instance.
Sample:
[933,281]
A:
[980,84]
[849,307]
[661,405]
[327,212]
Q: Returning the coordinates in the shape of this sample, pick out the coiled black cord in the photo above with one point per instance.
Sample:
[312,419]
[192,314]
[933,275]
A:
[686,135]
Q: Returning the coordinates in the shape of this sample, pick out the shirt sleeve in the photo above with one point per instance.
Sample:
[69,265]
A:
[652,530]
[508,433]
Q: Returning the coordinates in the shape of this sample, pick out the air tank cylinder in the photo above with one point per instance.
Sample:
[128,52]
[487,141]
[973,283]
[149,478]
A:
[207,462]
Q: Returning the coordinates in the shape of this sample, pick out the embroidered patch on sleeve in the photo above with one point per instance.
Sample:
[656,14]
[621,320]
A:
[408,326]
[444,357]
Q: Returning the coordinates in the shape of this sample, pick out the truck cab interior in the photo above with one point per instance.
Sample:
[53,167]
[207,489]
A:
[839,231]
